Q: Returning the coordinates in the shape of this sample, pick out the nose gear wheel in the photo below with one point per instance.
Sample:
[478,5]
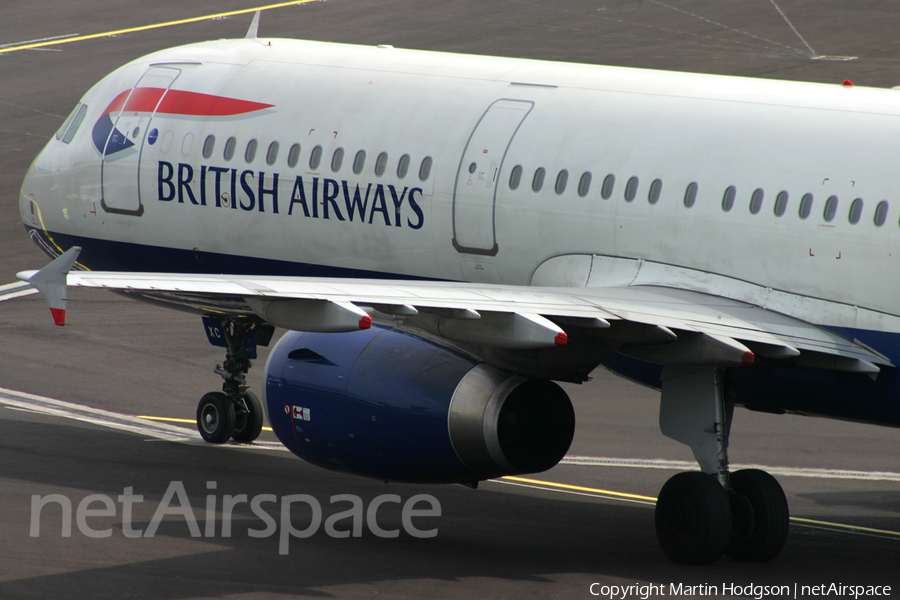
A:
[235,412]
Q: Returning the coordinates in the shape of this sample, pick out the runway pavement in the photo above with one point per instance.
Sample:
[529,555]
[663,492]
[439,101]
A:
[584,522]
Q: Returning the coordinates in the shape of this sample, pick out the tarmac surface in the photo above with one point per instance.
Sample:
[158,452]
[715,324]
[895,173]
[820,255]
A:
[580,523]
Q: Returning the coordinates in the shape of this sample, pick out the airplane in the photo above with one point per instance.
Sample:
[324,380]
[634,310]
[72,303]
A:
[446,236]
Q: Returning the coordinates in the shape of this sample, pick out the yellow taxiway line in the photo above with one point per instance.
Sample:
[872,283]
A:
[174,420]
[553,486]
[578,489]
[79,38]
[857,528]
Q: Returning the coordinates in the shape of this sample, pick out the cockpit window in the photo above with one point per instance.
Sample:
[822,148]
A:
[67,122]
[68,130]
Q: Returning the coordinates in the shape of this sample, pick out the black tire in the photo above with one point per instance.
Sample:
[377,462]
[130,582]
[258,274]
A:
[215,417]
[248,425]
[693,519]
[766,537]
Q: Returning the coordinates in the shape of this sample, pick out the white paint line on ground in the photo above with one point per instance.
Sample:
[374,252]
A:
[16,290]
[114,420]
[684,465]
[163,431]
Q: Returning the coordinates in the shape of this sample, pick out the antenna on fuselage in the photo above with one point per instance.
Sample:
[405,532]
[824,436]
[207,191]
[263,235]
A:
[254,27]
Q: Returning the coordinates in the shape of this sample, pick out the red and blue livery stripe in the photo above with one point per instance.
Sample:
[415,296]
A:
[109,140]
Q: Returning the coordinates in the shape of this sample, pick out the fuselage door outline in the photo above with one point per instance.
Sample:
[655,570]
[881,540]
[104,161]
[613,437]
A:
[119,172]
[478,176]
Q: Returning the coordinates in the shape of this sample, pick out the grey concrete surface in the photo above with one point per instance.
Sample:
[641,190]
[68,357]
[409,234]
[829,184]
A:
[499,541]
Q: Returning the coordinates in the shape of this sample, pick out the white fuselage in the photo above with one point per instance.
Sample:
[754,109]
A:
[475,120]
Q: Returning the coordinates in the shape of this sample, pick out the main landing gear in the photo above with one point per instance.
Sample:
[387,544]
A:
[702,515]
[235,412]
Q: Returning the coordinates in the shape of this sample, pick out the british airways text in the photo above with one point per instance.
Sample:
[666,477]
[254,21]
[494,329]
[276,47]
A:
[315,197]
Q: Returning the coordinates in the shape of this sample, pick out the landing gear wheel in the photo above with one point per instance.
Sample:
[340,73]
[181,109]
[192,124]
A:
[693,519]
[248,421]
[215,417]
[766,536]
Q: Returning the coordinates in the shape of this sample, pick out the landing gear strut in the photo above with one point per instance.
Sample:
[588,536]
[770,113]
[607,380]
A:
[235,412]
[701,516]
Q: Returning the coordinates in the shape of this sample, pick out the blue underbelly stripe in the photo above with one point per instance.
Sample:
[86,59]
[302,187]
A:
[106,255]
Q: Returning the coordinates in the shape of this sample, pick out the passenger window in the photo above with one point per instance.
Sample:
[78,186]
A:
[337,159]
[538,181]
[781,202]
[403,166]
[381,164]
[250,152]
[561,180]
[609,182]
[631,189]
[425,169]
[881,212]
[515,177]
[230,144]
[690,194]
[806,204]
[856,211]
[655,189]
[166,144]
[315,158]
[209,145]
[187,144]
[359,162]
[830,209]
[728,198]
[272,154]
[756,200]
[76,123]
[584,184]
[294,156]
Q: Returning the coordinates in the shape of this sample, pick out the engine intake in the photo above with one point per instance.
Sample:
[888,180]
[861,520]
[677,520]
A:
[502,424]
[391,405]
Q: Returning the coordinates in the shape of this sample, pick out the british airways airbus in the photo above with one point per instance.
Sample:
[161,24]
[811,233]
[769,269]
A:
[446,235]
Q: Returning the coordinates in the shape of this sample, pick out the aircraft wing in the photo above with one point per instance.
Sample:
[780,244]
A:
[658,324]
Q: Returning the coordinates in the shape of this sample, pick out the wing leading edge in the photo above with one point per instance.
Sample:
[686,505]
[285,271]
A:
[657,324]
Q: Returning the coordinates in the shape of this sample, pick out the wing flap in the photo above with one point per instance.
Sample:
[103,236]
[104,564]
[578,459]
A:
[712,328]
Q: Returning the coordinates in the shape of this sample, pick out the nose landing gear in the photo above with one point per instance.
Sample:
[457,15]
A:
[215,417]
[235,412]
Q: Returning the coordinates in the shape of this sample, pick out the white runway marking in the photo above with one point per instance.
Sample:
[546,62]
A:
[113,420]
[173,433]
[794,29]
[46,39]
[732,29]
[16,290]
[685,465]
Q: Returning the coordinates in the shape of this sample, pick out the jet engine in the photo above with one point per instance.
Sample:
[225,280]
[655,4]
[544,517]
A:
[391,405]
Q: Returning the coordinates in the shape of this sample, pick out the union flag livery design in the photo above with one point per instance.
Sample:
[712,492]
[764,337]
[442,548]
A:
[152,100]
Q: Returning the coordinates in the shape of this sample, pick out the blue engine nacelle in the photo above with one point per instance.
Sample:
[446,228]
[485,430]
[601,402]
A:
[391,405]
